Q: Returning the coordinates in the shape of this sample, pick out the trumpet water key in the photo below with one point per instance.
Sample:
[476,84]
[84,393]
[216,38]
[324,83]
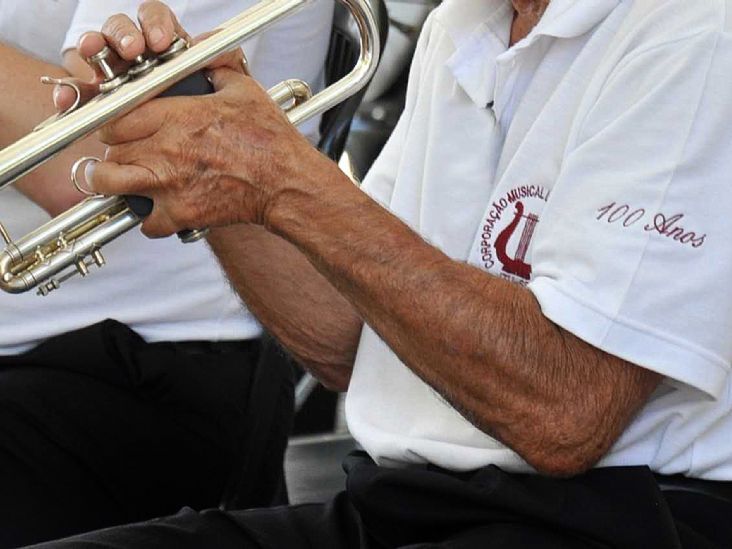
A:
[71,242]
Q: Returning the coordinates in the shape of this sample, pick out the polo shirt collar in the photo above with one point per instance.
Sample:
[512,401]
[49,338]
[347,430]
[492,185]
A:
[572,18]
[481,32]
[479,38]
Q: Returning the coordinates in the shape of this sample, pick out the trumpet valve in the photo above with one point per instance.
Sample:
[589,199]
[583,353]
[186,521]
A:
[179,45]
[111,79]
[142,66]
[81,266]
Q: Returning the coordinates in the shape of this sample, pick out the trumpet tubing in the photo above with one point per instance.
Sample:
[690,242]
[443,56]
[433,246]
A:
[71,242]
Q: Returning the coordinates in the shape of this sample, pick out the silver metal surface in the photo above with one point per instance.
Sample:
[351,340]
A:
[69,83]
[365,20]
[4,234]
[304,389]
[142,66]
[189,236]
[290,94]
[179,45]
[27,153]
[71,242]
[64,241]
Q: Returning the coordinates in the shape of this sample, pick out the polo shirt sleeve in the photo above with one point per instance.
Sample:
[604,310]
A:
[633,253]
[381,178]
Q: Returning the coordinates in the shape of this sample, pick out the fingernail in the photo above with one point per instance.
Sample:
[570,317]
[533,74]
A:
[127,41]
[156,35]
[89,174]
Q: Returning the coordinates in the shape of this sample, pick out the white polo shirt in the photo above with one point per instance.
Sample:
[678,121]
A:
[163,289]
[592,163]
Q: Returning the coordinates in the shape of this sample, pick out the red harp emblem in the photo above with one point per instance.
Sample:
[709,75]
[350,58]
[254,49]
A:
[517,265]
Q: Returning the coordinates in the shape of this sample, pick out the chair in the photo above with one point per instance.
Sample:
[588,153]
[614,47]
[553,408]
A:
[342,56]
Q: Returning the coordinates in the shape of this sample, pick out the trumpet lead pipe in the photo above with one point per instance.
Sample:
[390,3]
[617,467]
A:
[44,143]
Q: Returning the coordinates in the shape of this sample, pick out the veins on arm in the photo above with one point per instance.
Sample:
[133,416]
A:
[480,341]
[294,302]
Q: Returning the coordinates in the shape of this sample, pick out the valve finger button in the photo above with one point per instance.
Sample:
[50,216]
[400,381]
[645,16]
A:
[100,59]
[179,45]
[111,80]
[111,85]
[142,66]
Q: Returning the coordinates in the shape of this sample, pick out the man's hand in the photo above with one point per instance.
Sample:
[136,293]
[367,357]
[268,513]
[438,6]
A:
[214,160]
[186,153]
[159,28]
[279,285]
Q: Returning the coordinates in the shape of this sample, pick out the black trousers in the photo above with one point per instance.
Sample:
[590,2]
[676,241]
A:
[429,508]
[98,427]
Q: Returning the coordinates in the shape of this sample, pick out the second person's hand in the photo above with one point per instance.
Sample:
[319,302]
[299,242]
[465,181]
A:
[158,29]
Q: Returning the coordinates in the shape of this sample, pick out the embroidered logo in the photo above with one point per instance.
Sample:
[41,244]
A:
[508,230]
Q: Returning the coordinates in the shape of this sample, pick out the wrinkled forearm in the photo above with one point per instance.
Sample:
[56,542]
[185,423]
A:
[480,341]
[292,300]
[26,103]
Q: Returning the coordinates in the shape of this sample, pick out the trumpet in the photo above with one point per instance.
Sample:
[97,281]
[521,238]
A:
[71,243]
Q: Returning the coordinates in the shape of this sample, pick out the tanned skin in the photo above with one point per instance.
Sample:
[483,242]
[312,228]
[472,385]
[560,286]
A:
[314,258]
[26,103]
[527,14]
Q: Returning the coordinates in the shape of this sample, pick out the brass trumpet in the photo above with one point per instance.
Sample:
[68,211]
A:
[71,242]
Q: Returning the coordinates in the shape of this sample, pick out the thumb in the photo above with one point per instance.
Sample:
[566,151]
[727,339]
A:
[110,178]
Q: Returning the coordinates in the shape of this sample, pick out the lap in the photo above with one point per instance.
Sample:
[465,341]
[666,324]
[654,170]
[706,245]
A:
[427,509]
[187,529]
[334,525]
[102,428]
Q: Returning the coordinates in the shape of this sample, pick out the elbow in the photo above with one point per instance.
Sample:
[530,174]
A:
[563,463]
[336,380]
[334,376]
[567,452]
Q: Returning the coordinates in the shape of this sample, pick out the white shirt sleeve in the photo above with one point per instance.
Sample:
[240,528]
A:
[632,253]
